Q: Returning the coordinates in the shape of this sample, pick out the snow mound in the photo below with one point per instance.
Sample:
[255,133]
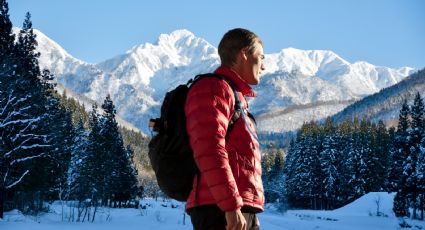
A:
[368,204]
[15,216]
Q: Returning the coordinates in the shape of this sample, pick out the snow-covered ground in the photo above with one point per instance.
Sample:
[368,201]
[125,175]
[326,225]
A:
[158,215]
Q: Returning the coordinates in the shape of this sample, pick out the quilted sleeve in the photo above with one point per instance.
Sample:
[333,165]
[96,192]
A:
[209,106]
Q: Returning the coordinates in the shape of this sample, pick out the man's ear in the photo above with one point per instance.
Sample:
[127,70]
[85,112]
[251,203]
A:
[244,53]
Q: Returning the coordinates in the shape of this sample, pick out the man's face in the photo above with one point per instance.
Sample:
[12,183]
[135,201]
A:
[254,65]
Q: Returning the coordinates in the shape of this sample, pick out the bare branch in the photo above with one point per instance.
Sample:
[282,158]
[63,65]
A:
[19,180]
[27,158]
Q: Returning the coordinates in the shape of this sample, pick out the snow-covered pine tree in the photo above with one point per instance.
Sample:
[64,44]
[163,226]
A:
[127,178]
[380,160]
[77,183]
[278,163]
[420,172]
[60,126]
[92,173]
[390,185]
[367,132]
[356,162]
[277,185]
[418,116]
[418,121]
[7,69]
[417,113]
[24,114]
[400,206]
[48,174]
[294,170]
[112,148]
[344,130]
[402,148]
[123,181]
[329,157]
[272,165]
[312,177]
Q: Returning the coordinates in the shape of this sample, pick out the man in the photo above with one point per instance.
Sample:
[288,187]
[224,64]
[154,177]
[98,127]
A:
[229,191]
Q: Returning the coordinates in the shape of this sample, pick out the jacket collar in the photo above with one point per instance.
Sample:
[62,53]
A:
[234,77]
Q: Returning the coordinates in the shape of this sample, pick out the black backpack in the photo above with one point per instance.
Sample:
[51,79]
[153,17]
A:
[170,153]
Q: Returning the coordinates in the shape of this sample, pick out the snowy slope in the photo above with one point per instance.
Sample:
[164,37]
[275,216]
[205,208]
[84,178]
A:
[294,116]
[138,79]
[386,104]
[361,214]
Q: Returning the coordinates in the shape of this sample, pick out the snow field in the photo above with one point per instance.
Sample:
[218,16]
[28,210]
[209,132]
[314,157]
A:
[362,214]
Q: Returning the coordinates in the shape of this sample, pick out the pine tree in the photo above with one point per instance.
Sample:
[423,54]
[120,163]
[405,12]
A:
[127,182]
[329,164]
[373,172]
[418,137]
[24,103]
[418,115]
[77,180]
[7,68]
[356,162]
[60,127]
[95,171]
[420,173]
[7,39]
[123,181]
[380,159]
[272,168]
[310,175]
[345,132]
[400,206]
[107,167]
[419,124]
[410,175]
[402,148]
[294,170]
[391,174]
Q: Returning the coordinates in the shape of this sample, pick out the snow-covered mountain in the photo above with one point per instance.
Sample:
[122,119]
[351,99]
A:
[294,80]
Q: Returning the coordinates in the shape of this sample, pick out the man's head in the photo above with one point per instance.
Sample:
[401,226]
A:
[242,50]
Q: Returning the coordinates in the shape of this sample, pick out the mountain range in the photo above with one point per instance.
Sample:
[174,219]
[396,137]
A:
[297,85]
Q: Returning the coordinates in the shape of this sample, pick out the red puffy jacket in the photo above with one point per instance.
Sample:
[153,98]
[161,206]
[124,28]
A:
[230,163]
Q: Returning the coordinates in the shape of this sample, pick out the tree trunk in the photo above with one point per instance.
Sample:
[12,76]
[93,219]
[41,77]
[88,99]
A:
[422,207]
[2,201]
[94,214]
[414,206]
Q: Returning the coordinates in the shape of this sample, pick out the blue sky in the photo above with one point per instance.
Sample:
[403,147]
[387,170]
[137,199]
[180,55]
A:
[382,32]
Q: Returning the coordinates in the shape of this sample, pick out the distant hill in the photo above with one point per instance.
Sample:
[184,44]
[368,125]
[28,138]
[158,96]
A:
[386,104]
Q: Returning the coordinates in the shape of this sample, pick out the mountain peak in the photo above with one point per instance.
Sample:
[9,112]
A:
[46,44]
[319,55]
[181,33]
[307,62]
[176,37]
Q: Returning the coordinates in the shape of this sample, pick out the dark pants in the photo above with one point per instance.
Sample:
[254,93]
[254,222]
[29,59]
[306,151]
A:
[210,217]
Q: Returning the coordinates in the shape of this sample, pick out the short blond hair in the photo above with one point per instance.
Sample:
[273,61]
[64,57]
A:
[235,40]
